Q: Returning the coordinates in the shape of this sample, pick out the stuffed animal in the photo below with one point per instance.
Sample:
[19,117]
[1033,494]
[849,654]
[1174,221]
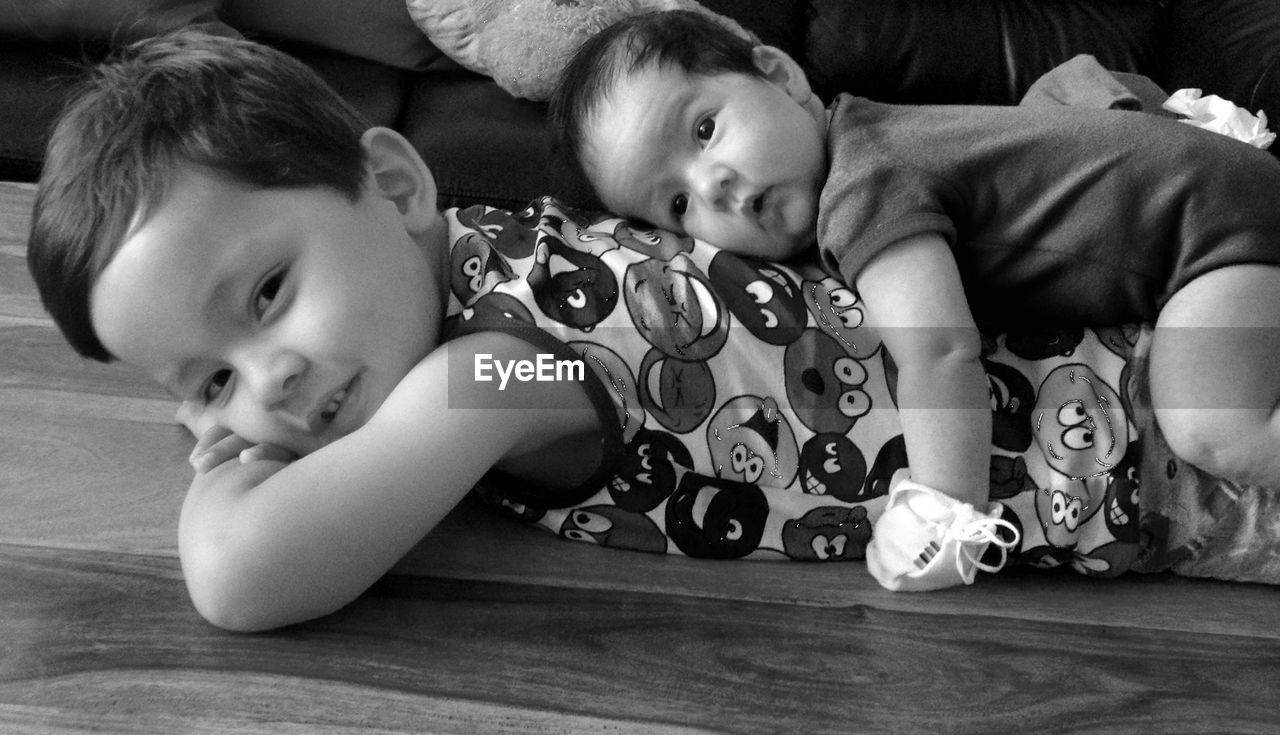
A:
[523,44]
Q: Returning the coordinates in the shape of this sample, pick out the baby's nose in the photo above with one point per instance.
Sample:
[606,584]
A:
[714,185]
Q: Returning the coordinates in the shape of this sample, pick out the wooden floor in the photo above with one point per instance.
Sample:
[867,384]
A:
[492,627]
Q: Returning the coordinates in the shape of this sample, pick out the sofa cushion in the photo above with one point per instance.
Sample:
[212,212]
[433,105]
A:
[485,146]
[117,20]
[1239,60]
[378,30]
[983,51]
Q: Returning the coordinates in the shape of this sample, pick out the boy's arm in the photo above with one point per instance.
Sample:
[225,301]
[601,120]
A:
[914,296]
[265,544]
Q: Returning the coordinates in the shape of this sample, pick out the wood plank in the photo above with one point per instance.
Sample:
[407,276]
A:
[36,356]
[16,199]
[84,472]
[475,543]
[112,635]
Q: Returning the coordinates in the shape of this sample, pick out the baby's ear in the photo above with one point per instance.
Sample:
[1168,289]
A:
[779,68]
[400,175]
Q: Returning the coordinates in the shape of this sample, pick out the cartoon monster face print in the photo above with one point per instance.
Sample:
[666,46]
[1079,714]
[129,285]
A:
[828,534]
[614,527]
[496,304]
[716,518]
[679,394]
[497,497]
[1012,401]
[476,267]
[1121,502]
[1044,344]
[1064,508]
[1079,422]
[831,464]
[763,297]
[579,238]
[571,286]
[647,475]
[1009,477]
[511,235]
[674,308]
[1120,340]
[824,383]
[838,312]
[750,441]
[660,244]
[618,381]
[891,459]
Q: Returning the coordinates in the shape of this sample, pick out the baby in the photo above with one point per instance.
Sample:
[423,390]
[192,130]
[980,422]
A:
[948,217]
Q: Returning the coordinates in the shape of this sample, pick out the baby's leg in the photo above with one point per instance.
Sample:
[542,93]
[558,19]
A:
[1215,373]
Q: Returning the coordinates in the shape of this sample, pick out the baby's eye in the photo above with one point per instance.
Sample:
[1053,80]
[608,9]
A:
[679,205]
[214,386]
[267,293]
[706,128]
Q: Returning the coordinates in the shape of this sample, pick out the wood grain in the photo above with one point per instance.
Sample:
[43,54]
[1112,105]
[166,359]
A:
[488,626]
[102,627]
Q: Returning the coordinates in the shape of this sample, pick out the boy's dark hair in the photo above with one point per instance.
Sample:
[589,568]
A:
[692,42]
[236,107]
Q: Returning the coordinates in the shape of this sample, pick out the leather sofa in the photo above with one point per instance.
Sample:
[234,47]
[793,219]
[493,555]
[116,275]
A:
[485,146]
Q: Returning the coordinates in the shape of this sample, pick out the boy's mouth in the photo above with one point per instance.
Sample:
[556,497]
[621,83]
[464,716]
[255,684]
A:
[331,409]
[337,400]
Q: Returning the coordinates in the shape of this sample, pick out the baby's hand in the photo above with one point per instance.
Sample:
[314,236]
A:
[926,540]
[218,445]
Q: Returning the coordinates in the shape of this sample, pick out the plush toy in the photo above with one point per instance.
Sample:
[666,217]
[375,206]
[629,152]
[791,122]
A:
[523,44]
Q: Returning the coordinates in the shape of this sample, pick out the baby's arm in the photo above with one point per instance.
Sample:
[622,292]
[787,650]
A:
[935,529]
[914,295]
[265,543]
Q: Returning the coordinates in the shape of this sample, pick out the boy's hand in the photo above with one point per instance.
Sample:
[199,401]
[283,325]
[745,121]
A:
[219,444]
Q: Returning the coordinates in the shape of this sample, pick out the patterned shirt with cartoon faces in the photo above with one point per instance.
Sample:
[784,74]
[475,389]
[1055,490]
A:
[755,411]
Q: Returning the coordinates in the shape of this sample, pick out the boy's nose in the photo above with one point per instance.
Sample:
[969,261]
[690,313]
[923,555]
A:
[274,377]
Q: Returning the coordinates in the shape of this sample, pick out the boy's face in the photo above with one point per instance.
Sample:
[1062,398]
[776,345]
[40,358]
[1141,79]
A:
[732,159]
[286,315]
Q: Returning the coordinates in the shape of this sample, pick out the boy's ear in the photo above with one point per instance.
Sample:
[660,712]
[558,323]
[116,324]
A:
[400,175]
[779,68]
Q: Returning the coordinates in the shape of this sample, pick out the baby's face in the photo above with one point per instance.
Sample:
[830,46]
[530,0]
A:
[286,315]
[729,158]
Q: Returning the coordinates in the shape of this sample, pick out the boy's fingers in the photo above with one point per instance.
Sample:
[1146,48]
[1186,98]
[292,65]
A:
[209,455]
[209,437]
[266,451]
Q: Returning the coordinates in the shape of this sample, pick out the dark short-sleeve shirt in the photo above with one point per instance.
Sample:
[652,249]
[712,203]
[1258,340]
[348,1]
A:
[1056,215]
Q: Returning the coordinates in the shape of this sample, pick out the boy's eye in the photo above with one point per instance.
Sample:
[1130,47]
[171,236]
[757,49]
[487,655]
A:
[214,386]
[679,205]
[267,293]
[706,129]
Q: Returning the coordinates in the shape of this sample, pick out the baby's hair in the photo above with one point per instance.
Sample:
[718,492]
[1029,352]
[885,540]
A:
[692,42]
[235,107]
